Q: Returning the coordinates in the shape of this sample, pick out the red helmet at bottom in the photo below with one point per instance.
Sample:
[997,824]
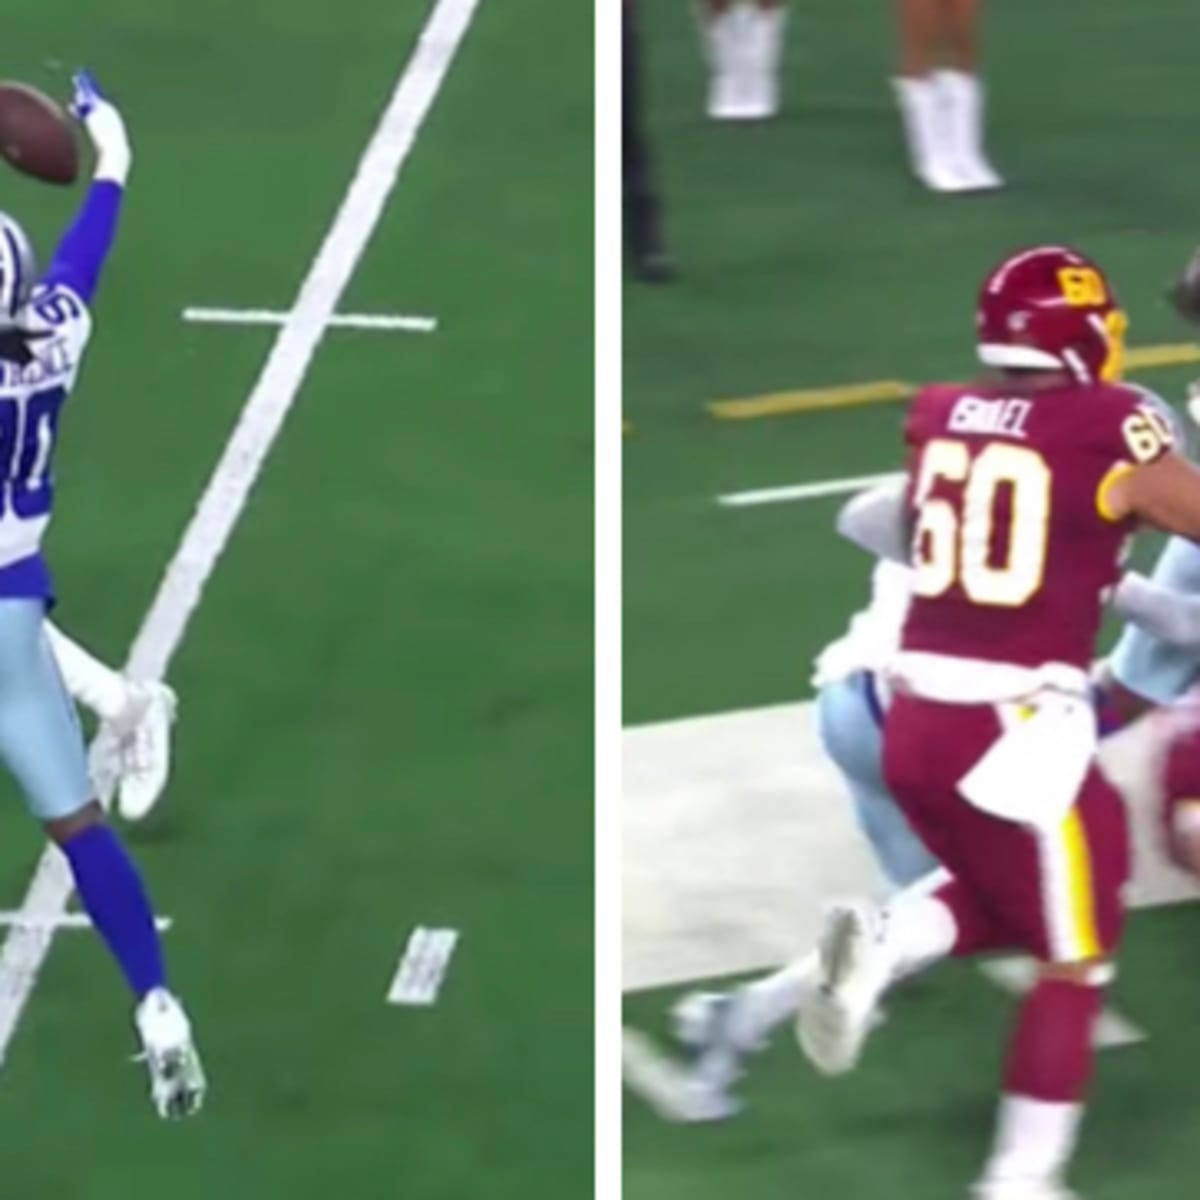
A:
[1049,308]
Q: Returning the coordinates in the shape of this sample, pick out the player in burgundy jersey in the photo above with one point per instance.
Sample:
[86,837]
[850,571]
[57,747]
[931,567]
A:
[1022,494]
[1177,764]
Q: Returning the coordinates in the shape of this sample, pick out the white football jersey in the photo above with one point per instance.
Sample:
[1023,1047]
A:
[31,400]
[874,634]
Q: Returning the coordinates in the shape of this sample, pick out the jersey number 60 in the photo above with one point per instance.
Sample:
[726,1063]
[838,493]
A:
[953,541]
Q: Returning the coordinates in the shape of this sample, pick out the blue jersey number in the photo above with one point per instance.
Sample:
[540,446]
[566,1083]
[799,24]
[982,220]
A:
[26,452]
[58,308]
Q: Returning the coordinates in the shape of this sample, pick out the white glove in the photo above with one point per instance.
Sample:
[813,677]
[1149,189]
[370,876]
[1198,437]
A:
[105,127]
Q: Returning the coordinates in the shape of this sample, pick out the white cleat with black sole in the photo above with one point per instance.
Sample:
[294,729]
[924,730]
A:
[177,1083]
[856,967]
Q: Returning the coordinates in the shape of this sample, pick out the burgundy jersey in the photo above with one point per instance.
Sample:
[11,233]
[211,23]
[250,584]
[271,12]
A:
[1013,549]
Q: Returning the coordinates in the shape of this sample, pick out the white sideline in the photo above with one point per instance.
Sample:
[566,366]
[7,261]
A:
[27,944]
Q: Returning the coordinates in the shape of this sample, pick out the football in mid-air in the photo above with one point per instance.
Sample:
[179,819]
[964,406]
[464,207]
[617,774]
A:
[36,135]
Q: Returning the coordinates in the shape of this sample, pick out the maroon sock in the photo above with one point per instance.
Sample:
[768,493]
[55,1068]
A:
[1050,1056]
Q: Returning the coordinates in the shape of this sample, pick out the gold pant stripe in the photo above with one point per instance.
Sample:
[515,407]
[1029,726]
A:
[1079,886]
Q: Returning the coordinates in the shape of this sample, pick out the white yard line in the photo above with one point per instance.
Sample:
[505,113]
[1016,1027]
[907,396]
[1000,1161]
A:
[64,920]
[804,491]
[375,322]
[26,946]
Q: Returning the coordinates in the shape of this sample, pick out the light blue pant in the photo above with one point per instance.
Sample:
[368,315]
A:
[852,737]
[1156,670]
[41,742]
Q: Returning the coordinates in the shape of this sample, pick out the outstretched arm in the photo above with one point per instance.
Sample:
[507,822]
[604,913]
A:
[84,247]
[1164,613]
[877,521]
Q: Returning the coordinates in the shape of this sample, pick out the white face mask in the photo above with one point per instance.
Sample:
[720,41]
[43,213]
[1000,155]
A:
[18,272]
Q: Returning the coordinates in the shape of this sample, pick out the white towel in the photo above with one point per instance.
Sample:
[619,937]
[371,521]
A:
[1033,772]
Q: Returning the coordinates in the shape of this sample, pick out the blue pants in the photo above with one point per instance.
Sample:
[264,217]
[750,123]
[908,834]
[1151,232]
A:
[41,742]
[1156,670]
[850,726]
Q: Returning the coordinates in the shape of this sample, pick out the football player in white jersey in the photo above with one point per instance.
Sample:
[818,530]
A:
[45,325]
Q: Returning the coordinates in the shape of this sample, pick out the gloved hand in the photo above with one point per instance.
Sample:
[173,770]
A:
[105,127]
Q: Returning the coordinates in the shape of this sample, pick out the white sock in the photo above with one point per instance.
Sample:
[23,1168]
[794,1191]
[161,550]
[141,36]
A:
[924,117]
[722,33]
[92,683]
[962,95]
[767,41]
[1034,1140]
[920,929]
[767,1003]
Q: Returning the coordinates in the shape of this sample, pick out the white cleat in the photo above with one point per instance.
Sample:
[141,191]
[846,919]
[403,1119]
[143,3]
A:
[856,967]
[1022,1189]
[177,1083]
[976,174]
[144,748]
[702,1025]
[941,177]
[740,96]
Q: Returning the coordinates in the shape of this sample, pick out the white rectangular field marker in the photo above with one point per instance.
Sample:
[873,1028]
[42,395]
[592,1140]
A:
[423,966]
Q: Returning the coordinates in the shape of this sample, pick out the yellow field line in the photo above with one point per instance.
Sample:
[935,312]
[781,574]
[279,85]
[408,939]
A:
[777,404]
[1148,357]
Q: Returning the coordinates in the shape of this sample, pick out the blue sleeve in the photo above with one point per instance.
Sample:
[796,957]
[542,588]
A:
[81,253]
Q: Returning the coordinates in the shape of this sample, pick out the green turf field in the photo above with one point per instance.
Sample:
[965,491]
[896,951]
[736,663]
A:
[386,692]
[809,259]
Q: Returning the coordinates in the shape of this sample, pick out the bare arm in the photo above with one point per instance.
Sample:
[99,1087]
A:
[1164,493]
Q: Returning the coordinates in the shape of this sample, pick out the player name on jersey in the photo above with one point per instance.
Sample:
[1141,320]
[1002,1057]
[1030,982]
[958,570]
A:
[972,414]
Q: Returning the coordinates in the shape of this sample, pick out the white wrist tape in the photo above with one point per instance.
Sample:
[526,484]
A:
[114,155]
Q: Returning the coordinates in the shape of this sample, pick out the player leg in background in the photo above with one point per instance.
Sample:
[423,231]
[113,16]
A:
[643,209]
[1053,889]
[42,745]
[850,721]
[722,1029]
[1180,782]
[132,750]
[941,96]
[743,41]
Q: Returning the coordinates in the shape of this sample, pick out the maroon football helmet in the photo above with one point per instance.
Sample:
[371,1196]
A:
[1051,309]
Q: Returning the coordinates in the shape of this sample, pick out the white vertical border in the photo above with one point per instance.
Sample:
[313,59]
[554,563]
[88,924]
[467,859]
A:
[608,411]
